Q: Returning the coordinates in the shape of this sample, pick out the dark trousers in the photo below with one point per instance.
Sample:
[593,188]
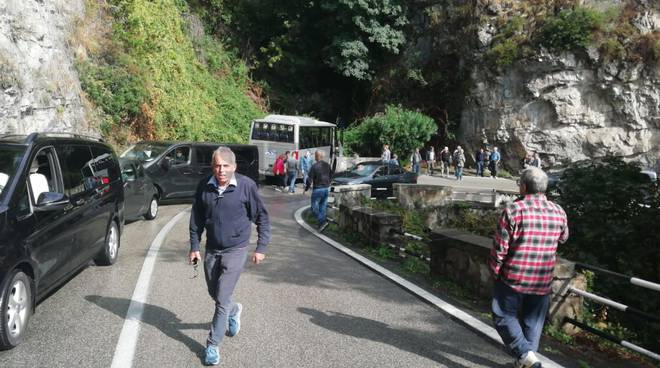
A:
[222,268]
[519,318]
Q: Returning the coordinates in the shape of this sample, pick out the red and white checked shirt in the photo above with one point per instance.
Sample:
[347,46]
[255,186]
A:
[525,243]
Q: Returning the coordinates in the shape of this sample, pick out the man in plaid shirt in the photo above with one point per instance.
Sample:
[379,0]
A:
[522,261]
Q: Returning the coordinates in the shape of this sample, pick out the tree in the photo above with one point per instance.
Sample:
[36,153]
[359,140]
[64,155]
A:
[404,130]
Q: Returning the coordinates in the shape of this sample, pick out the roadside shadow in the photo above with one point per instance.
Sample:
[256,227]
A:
[159,317]
[417,342]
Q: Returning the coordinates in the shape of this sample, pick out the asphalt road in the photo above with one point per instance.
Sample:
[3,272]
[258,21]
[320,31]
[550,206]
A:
[470,183]
[307,306]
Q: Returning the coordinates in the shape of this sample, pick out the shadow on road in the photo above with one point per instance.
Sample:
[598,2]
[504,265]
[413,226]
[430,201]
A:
[416,342]
[159,317]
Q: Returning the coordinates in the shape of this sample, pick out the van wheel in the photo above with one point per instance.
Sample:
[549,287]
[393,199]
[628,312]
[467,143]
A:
[108,255]
[16,307]
[152,211]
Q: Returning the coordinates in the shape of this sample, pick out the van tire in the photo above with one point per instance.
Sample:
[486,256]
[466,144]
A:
[110,251]
[16,307]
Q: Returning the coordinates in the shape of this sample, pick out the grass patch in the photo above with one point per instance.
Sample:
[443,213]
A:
[150,75]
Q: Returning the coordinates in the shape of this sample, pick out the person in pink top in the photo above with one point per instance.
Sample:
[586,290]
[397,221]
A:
[280,174]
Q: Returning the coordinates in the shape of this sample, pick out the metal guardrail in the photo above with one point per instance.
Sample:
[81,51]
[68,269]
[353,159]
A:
[613,339]
[633,280]
[619,306]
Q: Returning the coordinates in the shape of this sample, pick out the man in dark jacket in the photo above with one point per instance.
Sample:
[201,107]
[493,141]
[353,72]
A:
[319,178]
[225,205]
[479,159]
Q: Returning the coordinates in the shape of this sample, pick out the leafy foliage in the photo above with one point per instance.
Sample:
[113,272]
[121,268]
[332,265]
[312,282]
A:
[404,130]
[571,28]
[158,77]
[612,213]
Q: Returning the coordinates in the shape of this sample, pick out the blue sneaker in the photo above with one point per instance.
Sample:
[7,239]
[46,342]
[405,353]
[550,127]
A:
[234,322]
[212,355]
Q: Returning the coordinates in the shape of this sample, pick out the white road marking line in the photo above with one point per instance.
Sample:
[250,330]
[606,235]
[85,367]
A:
[125,349]
[454,312]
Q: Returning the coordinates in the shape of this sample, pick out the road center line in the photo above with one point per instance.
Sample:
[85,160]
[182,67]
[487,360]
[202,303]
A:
[125,349]
[456,313]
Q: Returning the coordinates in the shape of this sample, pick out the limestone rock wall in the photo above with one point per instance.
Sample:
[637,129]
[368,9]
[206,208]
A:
[39,87]
[567,107]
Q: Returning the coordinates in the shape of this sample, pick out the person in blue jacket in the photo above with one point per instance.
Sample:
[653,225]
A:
[225,205]
[306,163]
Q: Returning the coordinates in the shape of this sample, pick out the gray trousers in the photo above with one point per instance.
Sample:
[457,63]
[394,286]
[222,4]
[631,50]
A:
[222,269]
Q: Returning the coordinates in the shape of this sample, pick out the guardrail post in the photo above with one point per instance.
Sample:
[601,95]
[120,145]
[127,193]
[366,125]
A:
[564,303]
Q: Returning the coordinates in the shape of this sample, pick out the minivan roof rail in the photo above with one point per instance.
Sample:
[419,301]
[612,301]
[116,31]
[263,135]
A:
[33,136]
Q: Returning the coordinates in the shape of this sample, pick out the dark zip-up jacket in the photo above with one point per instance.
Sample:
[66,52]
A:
[227,217]
[319,175]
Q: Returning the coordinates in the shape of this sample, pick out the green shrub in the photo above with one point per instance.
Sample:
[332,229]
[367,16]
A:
[612,49]
[612,213]
[571,28]
[152,73]
[404,130]
[384,252]
[463,217]
[504,53]
[114,89]
[648,47]
[415,265]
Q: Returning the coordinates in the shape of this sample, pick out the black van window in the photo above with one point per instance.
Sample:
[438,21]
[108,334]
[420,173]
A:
[10,157]
[179,156]
[42,176]
[77,169]
[203,155]
[105,163]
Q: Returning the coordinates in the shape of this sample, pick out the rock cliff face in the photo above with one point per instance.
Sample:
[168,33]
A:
[39,87]
[567,106]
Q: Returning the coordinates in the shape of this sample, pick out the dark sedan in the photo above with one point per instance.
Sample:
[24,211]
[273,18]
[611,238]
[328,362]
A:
[140,194]
[380,175]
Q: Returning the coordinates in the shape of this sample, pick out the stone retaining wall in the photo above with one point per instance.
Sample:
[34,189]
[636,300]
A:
[462,258]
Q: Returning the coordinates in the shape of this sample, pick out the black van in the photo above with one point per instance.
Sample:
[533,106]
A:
[61,204]
[177,167]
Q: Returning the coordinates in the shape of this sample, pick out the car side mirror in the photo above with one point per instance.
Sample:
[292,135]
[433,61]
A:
[51,201]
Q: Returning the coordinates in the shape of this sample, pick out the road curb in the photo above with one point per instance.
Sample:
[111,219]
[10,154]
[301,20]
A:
[455,313]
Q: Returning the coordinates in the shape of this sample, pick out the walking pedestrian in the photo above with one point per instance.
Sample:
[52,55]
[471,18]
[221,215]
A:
[319,180]
[415,161]
[292,167]
[225,204]
[280,174]
[459,162]
[522,262]
[479,159]
[494,162]
[395,159]
[536,160]
[386,155]
[430,160]
[306,163]
[445,157]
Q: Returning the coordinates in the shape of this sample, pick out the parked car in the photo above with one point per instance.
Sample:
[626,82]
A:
[140,194]
[177,167]
[380,175]
[61,204]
